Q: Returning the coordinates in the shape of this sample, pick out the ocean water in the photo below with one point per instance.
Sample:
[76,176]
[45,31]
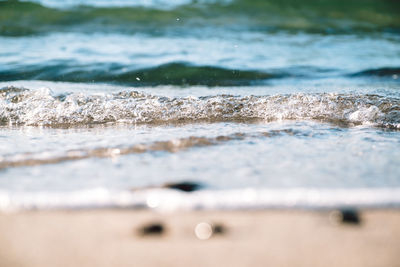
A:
[264,103]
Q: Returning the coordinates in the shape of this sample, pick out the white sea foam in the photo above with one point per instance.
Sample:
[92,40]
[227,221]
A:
[42,107]
[168,200]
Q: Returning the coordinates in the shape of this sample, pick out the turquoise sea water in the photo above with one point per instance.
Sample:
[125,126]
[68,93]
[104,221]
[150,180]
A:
[265,103]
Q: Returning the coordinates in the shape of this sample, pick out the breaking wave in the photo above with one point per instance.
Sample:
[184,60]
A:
[20,106]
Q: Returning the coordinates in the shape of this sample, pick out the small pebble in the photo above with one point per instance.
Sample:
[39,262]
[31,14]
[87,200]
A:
[345,216]
[204,231]
[184,186]
[152,229]
[219,229]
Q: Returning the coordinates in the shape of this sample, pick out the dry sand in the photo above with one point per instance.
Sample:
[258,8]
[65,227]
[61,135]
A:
[249,238]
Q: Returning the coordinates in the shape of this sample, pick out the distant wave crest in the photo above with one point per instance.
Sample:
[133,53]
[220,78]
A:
[26,18]
[174,73]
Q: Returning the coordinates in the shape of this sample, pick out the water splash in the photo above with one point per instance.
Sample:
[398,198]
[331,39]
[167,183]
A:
[19,106]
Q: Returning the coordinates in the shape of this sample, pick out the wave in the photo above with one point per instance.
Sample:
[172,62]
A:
[171,146]
[26,18]
[19,106]
[160,4]
[168,199]
[393,72]
[175,73]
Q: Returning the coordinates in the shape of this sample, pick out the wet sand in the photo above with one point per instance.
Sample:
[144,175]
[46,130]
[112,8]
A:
[241,238]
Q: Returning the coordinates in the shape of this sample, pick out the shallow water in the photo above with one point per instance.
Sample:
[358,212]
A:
[289,110]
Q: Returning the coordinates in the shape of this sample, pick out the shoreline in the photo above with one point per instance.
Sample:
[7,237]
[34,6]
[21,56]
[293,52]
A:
[271,237]
[168,197]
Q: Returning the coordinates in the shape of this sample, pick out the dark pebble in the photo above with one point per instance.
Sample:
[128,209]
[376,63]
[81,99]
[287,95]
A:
[219,229]
[184,186]
[350,216]
[345,216]
[152,229]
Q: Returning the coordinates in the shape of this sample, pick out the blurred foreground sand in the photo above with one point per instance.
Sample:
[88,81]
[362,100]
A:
[248,238]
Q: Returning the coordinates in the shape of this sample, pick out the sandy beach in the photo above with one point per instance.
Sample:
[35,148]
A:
[188,133]
[240,238]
